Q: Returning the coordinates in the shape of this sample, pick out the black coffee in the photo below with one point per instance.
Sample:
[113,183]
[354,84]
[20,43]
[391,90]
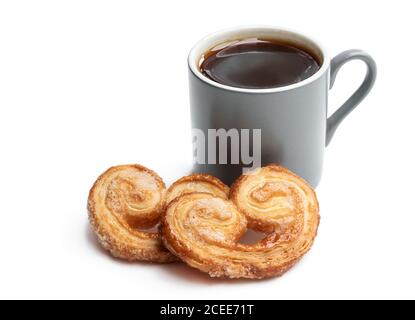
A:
[258,64]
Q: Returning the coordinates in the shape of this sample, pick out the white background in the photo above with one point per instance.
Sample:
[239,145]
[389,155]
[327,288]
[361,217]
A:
[89,84]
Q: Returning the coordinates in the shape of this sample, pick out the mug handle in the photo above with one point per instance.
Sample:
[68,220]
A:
[336,63]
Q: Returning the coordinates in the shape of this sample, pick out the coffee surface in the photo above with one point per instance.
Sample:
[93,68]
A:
[258,64]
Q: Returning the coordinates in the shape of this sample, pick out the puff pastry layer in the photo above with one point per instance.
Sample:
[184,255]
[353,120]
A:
[123,199]
[197,183]
[203,230]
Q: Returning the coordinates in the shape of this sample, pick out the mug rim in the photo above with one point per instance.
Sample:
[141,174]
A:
[203,45]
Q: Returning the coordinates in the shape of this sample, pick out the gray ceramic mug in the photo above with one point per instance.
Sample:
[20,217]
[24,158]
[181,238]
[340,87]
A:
[287,125]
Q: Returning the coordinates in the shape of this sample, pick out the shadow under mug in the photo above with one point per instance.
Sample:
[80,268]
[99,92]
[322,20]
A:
[288,125]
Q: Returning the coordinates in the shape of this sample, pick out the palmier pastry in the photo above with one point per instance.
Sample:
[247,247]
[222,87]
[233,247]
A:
[197,183]
[123,199]
[203,230]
